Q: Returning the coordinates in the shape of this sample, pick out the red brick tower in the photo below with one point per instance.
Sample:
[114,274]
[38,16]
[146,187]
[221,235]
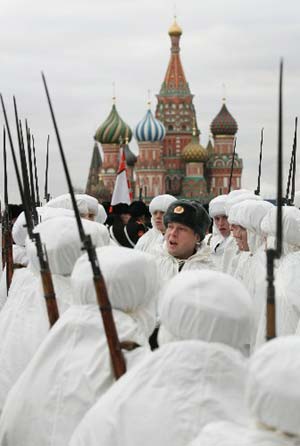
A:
[176,111]
[194,183]
[218,167]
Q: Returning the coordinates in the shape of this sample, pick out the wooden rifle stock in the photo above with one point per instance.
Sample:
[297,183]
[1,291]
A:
[271,312]
[118,361]
[49,294]
[9,258]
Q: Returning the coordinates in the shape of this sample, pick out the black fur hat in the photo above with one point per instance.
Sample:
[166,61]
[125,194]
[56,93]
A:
[189,213]
[120,208]
[138,208]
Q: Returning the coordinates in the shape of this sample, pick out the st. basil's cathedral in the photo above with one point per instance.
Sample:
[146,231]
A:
[171,158]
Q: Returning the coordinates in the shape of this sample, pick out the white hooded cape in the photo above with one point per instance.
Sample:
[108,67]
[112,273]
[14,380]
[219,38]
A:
[168,397]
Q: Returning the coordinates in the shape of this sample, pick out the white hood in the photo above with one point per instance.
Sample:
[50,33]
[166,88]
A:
[249,214]
[206,305]
[61,238]
[273,389]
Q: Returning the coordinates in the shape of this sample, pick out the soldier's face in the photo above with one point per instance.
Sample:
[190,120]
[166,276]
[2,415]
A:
[181,240]
[240,235]
[222,224]
[158,220]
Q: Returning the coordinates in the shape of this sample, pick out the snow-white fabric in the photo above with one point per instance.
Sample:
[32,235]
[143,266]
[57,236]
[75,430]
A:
[290,224]
[273,388]
[169,265]
[237,196]
[101,217]
[161,203]
[19,230]
[230,257]
[208,306]
[64,201]
[226,433]
[24,321]
[92,203]
[297,199]
[249,214]
[217,206]
[151,241]
[72,368]
[19,258]
[287,268]
[63,245]
[168,397]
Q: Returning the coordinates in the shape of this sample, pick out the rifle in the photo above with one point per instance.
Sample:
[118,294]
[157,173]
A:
[275,253]
[32,190]
[291,201]
[231,168]
[46,193]
[257,190]
[47,283]
[8,250]
[38,202]
[117,358]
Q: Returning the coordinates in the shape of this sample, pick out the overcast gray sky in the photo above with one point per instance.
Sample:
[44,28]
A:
[85,46]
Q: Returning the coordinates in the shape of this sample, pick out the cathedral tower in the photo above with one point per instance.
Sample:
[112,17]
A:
[224,129]
[176,111]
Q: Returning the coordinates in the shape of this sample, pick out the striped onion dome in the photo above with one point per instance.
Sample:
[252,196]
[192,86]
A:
[113,130]
[224,123]
[194,152]
[149,129]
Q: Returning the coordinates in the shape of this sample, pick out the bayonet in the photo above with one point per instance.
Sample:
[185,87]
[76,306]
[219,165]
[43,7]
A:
[231,168]
[8,252]
[46,193]
[257,190]
[38,202]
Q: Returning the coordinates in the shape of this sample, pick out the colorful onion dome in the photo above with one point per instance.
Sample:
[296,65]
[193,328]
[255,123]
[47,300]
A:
[193,152]
[175,29]
[149,129]
[113,130]
[224,123]
[130,157]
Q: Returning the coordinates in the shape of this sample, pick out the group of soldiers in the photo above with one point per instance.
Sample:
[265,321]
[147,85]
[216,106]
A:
[179,356]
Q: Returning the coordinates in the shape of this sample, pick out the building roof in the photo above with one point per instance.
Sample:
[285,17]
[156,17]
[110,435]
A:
[149,129]
[193,152]
[113,130]
[224,123]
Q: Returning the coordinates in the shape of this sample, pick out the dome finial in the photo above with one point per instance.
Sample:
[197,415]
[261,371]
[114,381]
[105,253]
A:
[194,126]
[149,99]
[114,92]
[175,29]
[224,93]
